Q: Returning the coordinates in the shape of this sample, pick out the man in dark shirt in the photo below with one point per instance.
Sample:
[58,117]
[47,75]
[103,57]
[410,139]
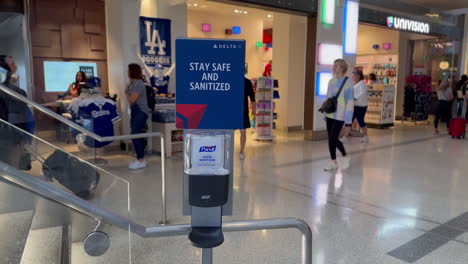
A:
[248,93]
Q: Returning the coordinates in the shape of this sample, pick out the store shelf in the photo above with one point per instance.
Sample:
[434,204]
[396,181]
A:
[381,102]
[265,108]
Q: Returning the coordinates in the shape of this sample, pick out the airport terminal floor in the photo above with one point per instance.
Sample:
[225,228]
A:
[403,200]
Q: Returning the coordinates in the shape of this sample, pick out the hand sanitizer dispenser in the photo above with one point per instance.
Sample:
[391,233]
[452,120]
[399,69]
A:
[207,159]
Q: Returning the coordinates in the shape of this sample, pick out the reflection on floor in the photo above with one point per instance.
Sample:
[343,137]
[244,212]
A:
[403,185]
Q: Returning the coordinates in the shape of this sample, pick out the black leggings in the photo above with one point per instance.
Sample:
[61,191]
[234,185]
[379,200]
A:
[444,111]
[334,128]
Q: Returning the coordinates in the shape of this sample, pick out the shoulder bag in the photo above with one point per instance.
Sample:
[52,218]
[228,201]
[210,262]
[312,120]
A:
[331,104]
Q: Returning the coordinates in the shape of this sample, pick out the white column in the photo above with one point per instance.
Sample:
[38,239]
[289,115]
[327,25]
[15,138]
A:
[289,43]
[123,38]
[330,34]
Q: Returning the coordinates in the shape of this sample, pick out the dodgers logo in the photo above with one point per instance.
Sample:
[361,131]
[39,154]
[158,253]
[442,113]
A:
[390,21]
[207,149]
[153,40]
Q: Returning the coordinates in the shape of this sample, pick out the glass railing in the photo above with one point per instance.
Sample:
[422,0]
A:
[84,137]
[66,174]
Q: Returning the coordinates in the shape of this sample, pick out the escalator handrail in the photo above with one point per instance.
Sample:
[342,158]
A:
[35,185]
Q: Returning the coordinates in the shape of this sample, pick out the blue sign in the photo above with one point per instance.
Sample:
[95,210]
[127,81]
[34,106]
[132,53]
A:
[155,41]
[210,84]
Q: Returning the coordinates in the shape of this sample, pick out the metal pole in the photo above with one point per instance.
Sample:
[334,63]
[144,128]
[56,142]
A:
[163,179]
[306,257]
[206,256]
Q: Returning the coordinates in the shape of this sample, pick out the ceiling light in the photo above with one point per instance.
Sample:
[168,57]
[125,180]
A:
[269,16]
[195,5]
[433,15]
[236,11]
[245,12]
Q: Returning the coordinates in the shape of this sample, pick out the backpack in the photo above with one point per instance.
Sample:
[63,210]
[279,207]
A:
[150,97]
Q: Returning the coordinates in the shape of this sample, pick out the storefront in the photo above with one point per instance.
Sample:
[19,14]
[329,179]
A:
[409,58]
[276,47]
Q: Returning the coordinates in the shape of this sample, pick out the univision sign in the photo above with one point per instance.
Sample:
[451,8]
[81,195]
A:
[407,24]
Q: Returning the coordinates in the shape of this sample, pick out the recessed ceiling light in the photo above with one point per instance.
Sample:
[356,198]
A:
[236,11]
[269,16]
[195,5]
[245,12]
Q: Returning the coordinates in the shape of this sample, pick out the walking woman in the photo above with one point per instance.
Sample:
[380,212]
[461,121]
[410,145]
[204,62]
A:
[360,106]
[341,87]
[444,110]
[136,96]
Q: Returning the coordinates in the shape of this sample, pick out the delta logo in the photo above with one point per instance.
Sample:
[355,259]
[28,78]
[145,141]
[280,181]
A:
[390,21]
[207,149]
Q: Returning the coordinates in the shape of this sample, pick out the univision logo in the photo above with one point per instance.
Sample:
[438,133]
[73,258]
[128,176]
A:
[406,24]
[390,21]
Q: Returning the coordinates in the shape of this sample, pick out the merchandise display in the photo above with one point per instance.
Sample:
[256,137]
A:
[265,108]
[164,117]
[386,73]
[383,66]
[417,97]
[380,109]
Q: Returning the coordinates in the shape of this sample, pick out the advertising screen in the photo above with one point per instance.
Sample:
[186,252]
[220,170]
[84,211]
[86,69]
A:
[59,74]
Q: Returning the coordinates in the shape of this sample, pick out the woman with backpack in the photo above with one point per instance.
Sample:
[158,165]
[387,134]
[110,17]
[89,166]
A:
[136,96]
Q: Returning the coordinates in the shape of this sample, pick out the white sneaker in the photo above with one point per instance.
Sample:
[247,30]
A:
[137,165]
[344,139]
[332,166]
[345,162]
[242,156]
[365,139]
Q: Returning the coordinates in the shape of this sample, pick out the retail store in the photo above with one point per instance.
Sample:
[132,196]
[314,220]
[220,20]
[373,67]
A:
[275,58]
[403,61]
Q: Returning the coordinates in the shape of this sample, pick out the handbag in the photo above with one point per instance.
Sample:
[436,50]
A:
[331,104]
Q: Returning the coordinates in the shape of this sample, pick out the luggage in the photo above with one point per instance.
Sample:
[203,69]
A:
[457,127]
[77,176]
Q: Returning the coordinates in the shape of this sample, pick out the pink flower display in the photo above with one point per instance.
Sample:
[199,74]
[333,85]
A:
[420,83]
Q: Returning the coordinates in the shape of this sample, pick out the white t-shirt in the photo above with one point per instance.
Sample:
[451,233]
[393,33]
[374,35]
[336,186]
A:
[444,95]
[360,94]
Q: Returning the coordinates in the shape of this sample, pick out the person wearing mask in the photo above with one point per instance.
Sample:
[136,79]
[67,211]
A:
[360,106]
[342,87]
[136,96]
[248,93]
[74,89]
[444,109]
[17,113]
[13,68]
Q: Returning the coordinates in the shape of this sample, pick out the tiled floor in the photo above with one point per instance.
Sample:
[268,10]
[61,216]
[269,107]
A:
[401,185]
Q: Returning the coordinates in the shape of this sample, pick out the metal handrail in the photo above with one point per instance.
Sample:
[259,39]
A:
[72,124]
[86,132]
[51,192]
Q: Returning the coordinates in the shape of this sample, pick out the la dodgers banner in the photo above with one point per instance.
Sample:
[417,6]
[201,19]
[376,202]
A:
[210,83]
[155,41]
